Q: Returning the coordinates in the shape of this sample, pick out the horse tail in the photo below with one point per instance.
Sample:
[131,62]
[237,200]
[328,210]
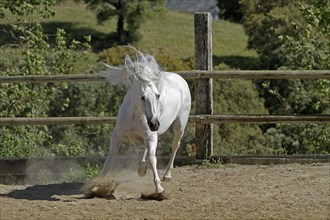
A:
[114,75]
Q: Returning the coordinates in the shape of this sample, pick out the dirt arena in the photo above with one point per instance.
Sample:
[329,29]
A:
[292,191]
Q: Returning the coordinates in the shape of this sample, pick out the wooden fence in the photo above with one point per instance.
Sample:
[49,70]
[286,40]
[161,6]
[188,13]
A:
[204,117]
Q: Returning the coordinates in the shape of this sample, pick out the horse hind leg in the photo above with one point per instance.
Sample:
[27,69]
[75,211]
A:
[178,133]
[109,162]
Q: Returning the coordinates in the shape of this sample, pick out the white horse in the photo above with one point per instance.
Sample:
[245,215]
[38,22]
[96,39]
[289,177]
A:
[155,101]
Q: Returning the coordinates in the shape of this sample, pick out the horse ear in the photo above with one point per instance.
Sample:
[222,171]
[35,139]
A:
[129,64]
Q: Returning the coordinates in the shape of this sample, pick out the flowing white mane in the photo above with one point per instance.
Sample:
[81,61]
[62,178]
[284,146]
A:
[144,69]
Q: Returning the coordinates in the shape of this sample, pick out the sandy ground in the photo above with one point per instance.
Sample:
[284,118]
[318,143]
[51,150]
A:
[226,192]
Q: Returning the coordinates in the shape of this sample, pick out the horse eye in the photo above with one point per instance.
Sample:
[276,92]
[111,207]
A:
[157,96]
[143,98]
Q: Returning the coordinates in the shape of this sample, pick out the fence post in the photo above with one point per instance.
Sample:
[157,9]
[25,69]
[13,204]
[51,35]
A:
[203,87]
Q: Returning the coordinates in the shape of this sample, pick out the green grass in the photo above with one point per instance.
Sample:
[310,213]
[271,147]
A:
[171,34]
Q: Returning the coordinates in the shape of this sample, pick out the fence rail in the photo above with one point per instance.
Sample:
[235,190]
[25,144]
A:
[202,119]
[262,119]
[256,74]
[191,74]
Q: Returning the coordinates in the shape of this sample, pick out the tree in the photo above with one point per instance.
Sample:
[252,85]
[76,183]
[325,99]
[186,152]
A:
[230,10]
[264,22]
[305,46]
[292,35]
[129,14]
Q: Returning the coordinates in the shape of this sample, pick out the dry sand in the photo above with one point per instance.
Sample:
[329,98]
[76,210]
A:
[292,191]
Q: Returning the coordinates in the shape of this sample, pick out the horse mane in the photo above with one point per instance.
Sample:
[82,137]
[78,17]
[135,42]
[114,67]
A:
[143,69]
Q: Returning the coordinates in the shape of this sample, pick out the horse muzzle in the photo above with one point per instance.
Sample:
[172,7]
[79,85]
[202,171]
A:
[153,125]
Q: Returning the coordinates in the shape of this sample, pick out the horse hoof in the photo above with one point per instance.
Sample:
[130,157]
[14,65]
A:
[142,170]
[167,179]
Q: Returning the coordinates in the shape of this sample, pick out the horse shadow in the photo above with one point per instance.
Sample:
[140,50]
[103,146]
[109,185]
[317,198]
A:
[67,192]
[49,192]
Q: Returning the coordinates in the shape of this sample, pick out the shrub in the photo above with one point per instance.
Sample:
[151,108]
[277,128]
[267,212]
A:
[116,56]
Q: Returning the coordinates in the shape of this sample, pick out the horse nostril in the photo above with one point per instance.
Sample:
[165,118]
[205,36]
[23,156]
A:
[153,125]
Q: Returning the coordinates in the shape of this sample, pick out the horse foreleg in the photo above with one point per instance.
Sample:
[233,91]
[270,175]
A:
[108,164]
[152,146]
[178,133]
[142,170]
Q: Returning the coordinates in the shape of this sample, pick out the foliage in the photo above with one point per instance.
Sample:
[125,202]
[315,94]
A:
[25,9]
[300,139]
[236,96]
[230,10]
[292,35]
[84,99]
[91,170]
[34,55]
[294,97]
[264,22]
[306,46]
[130,15]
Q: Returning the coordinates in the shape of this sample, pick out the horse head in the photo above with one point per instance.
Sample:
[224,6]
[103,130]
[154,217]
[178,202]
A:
[146,85]
[150,105]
